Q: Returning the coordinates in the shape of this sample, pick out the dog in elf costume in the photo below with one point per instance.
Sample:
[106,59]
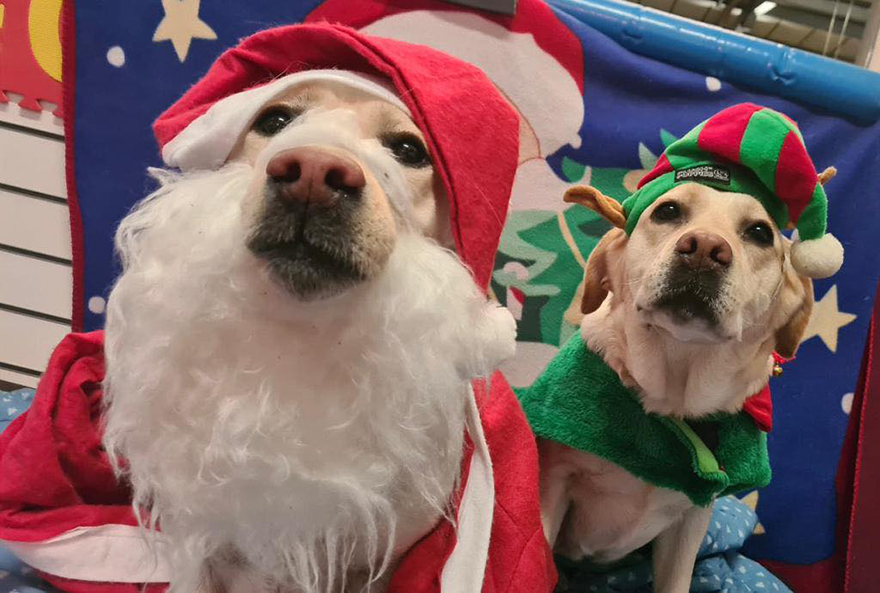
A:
[661,403]
[299,350]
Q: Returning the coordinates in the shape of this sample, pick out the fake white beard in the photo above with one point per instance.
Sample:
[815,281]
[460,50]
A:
[316,438]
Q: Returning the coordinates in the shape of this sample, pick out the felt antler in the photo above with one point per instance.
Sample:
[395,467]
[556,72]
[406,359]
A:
[827,175]
[592,198]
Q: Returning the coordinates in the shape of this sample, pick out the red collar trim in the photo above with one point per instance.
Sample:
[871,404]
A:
[760,405]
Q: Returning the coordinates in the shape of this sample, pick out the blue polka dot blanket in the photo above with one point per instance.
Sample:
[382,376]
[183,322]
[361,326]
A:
[719,569]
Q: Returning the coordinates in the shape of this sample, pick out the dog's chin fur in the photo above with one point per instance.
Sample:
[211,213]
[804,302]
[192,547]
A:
[313,438]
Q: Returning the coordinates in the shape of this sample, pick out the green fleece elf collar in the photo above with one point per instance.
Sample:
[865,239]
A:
[580,402]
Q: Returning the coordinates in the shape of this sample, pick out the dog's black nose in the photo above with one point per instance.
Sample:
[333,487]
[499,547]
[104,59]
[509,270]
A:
[311,174]
[702,250]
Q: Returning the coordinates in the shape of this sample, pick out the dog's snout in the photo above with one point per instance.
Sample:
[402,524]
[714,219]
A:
[314,175]
[702,250]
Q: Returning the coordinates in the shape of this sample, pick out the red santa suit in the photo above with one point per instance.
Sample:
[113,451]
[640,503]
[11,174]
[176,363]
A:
[61,508]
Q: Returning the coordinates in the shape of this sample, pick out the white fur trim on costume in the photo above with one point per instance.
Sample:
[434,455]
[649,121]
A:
[108,553]
[209,139]
[817,258]
[465,568]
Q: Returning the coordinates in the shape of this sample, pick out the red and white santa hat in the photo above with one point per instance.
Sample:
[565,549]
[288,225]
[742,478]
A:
[471,131]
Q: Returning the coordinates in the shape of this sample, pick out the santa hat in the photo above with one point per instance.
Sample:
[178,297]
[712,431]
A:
[448,99]
[757,151]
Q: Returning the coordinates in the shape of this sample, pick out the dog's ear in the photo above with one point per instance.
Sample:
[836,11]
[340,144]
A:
[597,275]
[788,337]
[608,208]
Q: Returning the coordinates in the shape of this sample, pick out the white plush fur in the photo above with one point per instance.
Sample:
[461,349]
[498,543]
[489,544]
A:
[316,438]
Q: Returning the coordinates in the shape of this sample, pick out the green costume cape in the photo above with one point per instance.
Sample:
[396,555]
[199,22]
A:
[580,402]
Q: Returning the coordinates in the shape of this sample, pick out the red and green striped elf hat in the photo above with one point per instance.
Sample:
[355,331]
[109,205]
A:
[756,151]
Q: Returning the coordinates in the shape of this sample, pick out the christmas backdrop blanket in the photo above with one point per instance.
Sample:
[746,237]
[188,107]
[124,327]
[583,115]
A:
[594,113]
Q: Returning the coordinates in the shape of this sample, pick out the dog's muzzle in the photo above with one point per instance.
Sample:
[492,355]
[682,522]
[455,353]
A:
[313,224]
[305,231]
[314,176]
[695,278]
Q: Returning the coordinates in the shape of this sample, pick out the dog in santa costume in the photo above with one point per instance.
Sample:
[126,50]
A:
[295,360]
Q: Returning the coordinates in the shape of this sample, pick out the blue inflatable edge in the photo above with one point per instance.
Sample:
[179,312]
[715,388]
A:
[837,87]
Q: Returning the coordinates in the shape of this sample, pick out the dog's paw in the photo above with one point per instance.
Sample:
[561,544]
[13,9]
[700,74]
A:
[500,335]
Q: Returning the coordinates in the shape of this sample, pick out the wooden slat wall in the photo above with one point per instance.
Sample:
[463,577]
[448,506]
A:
[35,251]
[32,162]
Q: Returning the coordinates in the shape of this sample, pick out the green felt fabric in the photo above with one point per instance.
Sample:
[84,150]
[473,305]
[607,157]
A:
[742,181]
[580,402]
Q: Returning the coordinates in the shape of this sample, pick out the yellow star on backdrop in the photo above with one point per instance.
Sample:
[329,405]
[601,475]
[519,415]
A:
[181,25]
[751,501]
[827,319]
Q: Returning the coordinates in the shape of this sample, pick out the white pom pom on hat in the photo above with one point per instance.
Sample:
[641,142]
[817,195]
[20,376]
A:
[816,258]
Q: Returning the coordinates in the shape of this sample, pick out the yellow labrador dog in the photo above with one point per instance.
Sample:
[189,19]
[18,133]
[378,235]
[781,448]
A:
[687,311]
[291,345]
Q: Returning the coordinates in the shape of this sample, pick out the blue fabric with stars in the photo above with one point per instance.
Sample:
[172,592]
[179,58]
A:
[13,404]
[16,577]
[720,568]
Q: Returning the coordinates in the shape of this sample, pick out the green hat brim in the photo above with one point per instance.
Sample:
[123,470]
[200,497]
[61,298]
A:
[741,181]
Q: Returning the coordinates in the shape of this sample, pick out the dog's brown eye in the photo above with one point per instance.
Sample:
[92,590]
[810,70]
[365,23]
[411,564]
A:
[666,212]
[272,121]
[407,149]
[760,233]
